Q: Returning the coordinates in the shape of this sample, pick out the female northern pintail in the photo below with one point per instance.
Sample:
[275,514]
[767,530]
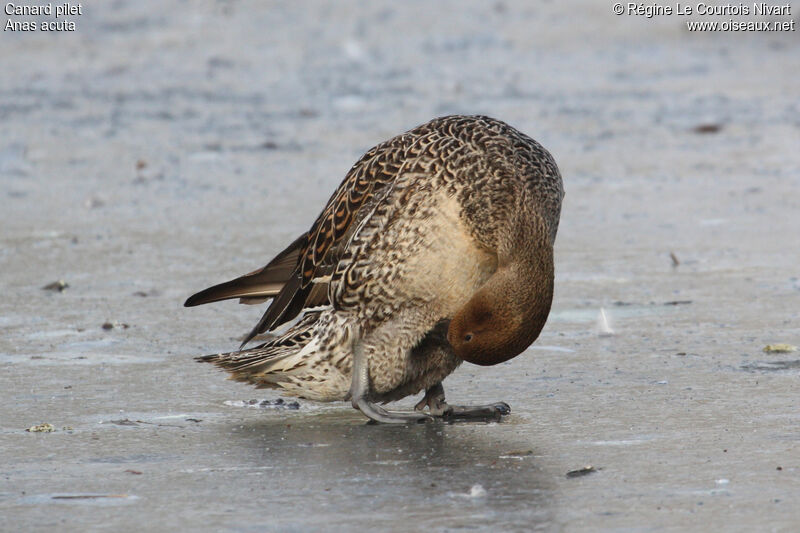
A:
[437,248]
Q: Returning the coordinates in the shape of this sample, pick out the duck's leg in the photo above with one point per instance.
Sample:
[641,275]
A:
[434,400]
[359,394]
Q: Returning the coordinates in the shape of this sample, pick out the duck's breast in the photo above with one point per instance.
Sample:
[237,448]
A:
[451,265]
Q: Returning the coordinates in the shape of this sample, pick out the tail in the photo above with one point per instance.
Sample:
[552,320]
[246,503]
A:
[295,362]
[265,364]
[259,285]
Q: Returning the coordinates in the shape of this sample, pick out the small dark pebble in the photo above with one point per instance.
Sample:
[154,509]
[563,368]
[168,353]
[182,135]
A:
[678,302]
[707,128]
[585,471]
[135,472]
[94,202]
[108,325]
[674,258]
[56,286]
[196,420]
[779,468]
[145,294]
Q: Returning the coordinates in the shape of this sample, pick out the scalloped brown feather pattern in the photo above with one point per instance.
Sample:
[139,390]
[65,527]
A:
[439,151]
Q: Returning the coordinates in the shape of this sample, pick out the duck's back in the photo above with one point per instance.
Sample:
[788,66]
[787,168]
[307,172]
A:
[432,232]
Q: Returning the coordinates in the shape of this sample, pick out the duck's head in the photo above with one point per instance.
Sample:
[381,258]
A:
[502,318]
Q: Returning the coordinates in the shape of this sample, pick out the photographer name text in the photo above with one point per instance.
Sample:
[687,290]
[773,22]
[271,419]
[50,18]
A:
[655,9]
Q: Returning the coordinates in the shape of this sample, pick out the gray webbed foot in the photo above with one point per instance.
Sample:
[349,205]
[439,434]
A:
[437,406]
[377,413]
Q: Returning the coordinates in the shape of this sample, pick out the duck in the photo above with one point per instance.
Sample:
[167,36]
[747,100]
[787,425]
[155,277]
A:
[436,248]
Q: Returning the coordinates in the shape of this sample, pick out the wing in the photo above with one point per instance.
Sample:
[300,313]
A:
[326,240]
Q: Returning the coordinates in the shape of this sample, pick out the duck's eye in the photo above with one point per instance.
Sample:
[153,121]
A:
[468,337]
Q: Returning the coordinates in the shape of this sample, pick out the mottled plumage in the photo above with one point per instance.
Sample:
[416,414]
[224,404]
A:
[452,221]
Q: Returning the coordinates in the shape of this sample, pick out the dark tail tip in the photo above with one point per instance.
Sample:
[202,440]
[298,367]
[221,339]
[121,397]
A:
[207,358]
[206,296]
[192,301]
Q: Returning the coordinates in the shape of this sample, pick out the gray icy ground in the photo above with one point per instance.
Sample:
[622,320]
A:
[162,148]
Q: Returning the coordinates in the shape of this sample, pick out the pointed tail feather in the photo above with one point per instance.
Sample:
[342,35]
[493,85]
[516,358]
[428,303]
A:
[266,282]
[245,288]
[265,365]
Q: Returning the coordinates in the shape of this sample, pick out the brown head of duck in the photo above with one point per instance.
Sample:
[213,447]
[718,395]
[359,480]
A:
[508,312]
